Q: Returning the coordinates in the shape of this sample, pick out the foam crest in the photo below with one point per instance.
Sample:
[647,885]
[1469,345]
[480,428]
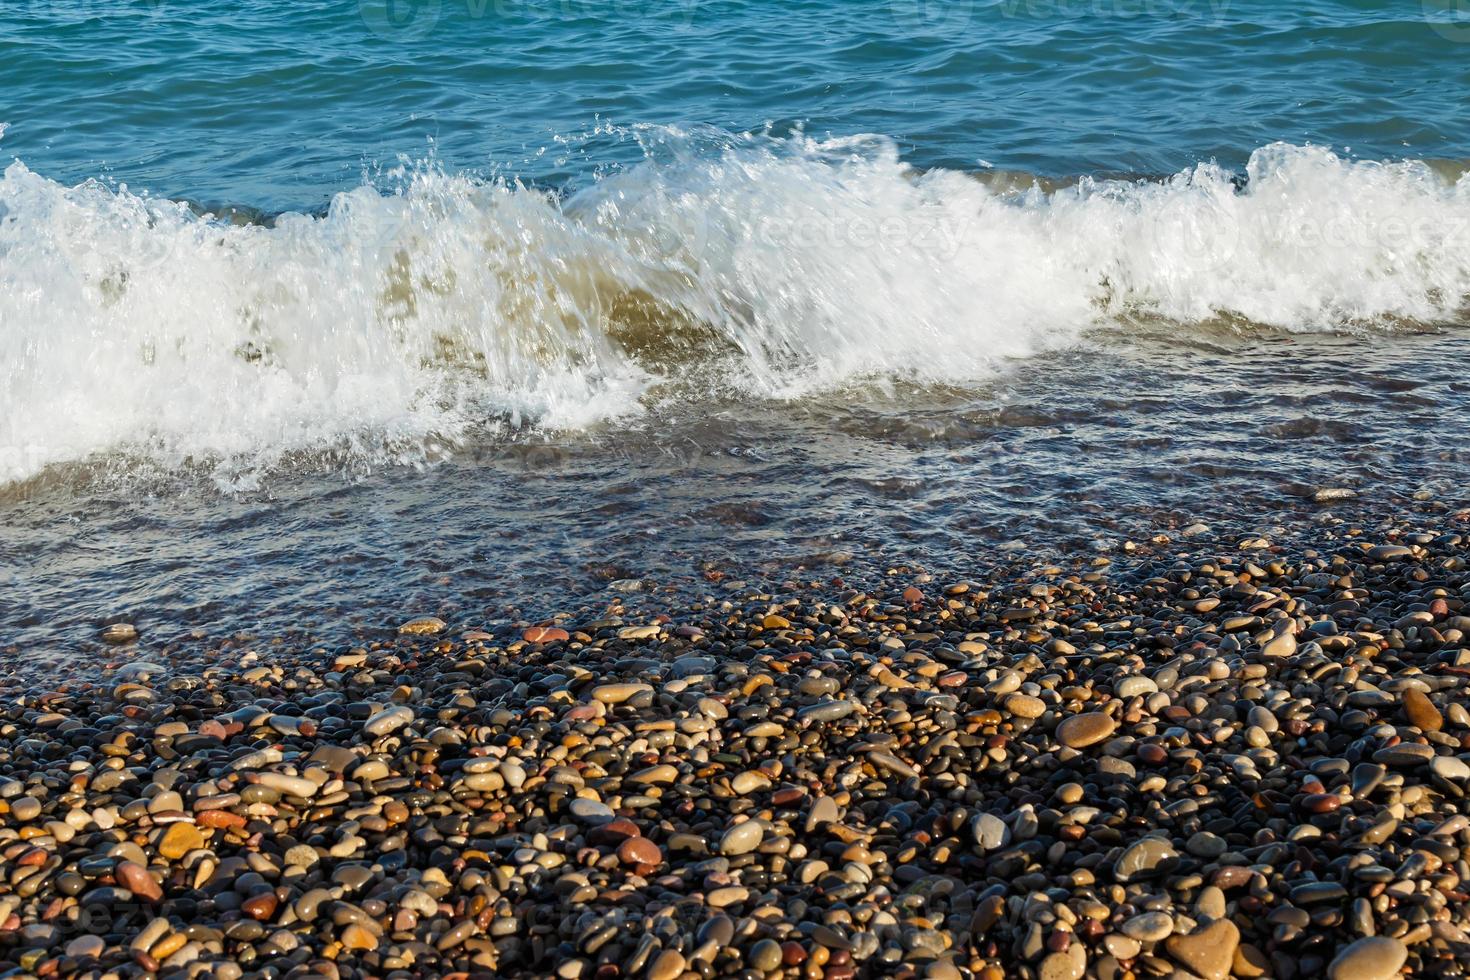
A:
[400,321]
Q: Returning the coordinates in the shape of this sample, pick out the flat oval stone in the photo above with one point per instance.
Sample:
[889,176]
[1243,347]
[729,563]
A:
[290,785]
[824,811]
[422,626]
[1450,767]
[1149,927]
[990,831]
[617,693]
[826,711]
[640,850]
[742,838]
[1025,706]
[1080,731]
[1420,711]
[136,879]
[1144,859]
[591,811]
[1406,755]
[1370,958]
[1130,687]
[388,720]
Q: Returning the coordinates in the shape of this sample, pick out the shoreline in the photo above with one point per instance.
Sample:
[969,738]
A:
[1202,758]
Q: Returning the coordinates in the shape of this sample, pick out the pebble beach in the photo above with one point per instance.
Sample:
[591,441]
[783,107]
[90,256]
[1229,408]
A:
[1209,754]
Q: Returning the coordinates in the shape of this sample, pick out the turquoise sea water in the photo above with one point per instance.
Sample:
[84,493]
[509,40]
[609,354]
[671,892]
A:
[316,315]
[272,104]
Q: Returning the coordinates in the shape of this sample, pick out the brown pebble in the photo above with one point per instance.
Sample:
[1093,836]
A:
[136,879]
[261,907]
[1080,731]
[1420,711]
[640,851]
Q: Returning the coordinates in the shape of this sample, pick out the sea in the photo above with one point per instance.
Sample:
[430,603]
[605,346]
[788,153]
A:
[318,315]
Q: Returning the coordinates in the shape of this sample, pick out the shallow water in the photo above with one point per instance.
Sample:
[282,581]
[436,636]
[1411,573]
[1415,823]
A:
[1073,451]
[314,316]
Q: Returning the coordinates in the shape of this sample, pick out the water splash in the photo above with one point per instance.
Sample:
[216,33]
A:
[405,317]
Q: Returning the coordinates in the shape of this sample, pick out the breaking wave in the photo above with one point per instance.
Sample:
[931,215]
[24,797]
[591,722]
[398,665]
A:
[410,315]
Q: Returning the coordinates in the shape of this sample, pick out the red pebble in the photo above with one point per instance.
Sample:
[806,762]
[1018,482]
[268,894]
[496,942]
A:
[219,819]
[1321,802]
[613,832]
[640,851]
[136,879]
[260,907]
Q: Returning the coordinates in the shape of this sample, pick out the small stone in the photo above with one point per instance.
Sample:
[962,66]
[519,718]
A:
[1061,966]
[640,850]
[1206,845]
[1207,952]
[136,879]
[289,785]
[1025,706]
[720,898]
[120,633]
[1450,767]
[1420,711]
[388,720]
[1149,927]
[1144,859]
[25,809]
[1080,731]
[742,838]
[178,840]
[354,936]
[1279,645]
[990,832]
[546,634]
[824,811]
[618,693]
[260,907]
[670,964]
[591,811]
[1136,686]
[422,626]
[765,955]
[1370,958]
[84,947]
[1405,755]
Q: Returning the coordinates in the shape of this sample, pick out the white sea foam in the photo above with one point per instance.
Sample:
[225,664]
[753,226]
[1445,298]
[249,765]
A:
[777,267]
